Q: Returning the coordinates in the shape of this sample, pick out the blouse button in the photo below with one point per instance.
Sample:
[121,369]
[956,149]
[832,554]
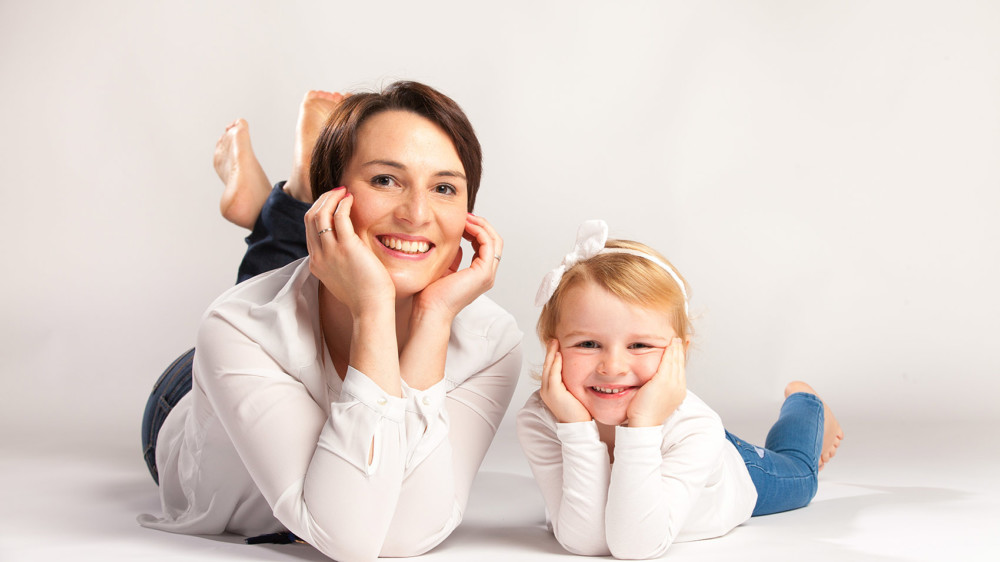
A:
[426,401]
[382,401]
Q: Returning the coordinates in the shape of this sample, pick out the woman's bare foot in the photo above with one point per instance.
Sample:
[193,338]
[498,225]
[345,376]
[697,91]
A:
[247,186]
[313,113]
[832,432]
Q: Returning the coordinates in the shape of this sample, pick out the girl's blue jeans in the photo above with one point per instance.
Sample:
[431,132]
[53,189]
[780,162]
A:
[785,472]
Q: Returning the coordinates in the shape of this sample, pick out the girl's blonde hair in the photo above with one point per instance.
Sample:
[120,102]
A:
[633,279]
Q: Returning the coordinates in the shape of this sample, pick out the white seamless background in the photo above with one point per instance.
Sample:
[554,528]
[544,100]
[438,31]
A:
[825,174]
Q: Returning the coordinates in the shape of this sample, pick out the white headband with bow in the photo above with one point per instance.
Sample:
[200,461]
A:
[590,240]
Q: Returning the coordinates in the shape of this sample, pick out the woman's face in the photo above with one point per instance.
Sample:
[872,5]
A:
[410,197]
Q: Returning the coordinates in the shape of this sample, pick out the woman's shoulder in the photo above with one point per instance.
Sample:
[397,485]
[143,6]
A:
[265,288]
[277,310]
[482,334]
[487,322]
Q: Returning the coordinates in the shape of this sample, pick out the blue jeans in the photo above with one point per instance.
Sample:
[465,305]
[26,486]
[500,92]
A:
[278,239]
[786,471]
[172,385]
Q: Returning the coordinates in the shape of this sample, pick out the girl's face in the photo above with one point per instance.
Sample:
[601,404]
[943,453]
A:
[609,349]
[410,197]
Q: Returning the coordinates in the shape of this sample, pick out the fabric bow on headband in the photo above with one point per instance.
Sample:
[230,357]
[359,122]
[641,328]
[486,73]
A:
[590,240]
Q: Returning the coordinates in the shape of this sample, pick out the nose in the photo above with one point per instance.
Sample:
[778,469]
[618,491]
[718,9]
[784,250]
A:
[414,209]
[613,363]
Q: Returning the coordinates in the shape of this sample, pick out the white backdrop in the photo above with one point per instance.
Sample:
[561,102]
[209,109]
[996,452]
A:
[824,173]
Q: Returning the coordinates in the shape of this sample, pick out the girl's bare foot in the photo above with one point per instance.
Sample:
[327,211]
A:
[313,113]
[832,432]
[247,186]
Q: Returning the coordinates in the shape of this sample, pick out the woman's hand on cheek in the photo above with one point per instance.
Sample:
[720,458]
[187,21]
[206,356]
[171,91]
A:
[560,401]
[662,394]
[341,261]
[456,289]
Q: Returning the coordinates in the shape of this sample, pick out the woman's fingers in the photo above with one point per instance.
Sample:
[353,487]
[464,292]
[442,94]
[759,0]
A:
[485,240]
[342,226]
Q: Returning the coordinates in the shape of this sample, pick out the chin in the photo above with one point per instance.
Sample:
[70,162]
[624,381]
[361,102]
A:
[610,419]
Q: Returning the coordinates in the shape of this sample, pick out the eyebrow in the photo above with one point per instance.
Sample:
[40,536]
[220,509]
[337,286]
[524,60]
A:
[638,337]
[401,166]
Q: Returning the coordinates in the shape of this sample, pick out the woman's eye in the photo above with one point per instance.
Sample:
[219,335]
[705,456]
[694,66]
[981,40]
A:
[383,181]
[445,189]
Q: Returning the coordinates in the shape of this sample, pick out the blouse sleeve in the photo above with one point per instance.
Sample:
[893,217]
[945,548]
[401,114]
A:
[655,484]
[572,468]
[374,476]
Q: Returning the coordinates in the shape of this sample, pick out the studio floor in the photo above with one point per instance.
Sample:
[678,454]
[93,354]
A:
[894,492]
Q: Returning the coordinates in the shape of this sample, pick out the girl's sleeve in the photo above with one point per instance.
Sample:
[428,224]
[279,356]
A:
[572,469]
[652,491]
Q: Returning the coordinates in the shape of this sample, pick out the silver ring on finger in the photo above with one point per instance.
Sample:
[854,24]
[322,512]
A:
[496,257]
[324,230]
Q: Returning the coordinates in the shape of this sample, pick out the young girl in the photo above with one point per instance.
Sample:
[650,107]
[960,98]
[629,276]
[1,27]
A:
[627,460]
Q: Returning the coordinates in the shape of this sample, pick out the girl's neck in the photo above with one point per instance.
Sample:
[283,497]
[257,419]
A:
[607,435]
[337,326]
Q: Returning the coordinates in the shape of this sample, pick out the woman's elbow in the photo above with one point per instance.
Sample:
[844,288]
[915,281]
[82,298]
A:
[636,550]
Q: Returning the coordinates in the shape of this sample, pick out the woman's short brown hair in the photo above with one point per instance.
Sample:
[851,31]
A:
[336,143]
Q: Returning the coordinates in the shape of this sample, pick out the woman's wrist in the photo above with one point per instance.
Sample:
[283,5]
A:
[373,347]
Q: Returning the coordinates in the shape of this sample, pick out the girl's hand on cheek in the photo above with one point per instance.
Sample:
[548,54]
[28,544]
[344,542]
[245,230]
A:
[662,394]
[563,405]
[457,289]
[340,260]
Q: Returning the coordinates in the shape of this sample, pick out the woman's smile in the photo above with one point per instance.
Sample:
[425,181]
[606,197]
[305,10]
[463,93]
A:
[405,246]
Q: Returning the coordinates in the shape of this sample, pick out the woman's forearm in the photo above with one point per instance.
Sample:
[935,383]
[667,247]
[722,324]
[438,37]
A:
[422,360]
[373,347]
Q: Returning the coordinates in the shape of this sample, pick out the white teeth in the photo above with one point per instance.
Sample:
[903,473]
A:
[603,390]
[405,246]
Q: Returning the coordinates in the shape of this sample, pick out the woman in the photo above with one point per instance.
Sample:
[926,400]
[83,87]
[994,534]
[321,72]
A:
[350,397]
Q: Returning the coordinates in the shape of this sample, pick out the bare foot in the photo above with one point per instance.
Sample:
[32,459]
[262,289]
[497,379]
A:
[313,113]
[247,186]
[832,432]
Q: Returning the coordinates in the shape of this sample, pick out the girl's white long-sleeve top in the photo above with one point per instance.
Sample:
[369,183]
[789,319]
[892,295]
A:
[270,438]
[680,481]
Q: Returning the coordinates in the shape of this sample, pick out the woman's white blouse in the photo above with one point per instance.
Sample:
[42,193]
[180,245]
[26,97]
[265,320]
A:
[270,438]
[680,481]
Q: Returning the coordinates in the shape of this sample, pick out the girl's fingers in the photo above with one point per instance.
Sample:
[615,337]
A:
[547,367]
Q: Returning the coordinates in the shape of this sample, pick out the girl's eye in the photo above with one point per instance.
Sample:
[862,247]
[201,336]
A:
[589,344]
[383,181]
[445,189]
[638,345]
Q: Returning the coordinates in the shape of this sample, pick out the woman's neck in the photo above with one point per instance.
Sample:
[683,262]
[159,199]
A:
[337,325]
